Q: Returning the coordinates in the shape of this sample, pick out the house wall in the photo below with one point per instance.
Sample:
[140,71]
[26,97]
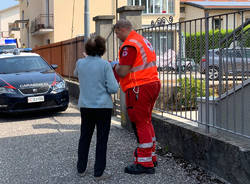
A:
[32,9]
[8,16]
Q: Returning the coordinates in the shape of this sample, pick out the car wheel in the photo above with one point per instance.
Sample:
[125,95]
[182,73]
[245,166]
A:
[213,73]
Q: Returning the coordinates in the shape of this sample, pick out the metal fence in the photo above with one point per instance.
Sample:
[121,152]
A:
[204,68]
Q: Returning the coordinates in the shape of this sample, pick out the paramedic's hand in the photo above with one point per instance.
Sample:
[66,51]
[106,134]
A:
[113,63]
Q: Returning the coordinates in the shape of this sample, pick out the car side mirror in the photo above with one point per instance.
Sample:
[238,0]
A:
[54,66]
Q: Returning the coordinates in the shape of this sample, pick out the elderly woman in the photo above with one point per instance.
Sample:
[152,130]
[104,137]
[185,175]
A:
[97,83]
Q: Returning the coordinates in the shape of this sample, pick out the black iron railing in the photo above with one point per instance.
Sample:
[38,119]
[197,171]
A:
[43,21]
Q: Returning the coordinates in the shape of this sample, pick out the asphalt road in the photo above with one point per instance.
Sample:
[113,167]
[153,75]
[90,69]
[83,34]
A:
[40,148]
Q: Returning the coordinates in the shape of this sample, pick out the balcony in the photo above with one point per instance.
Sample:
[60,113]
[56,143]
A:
[4,34]
[42,24]
[14,27]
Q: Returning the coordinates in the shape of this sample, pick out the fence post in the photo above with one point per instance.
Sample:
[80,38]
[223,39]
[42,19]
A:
[207,68]
[134,15]
[103,26]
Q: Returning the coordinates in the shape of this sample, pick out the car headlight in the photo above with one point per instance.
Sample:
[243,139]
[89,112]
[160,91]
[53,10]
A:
[58,87]
[4,90]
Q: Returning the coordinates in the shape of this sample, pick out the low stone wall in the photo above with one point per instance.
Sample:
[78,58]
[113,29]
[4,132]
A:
[227,157]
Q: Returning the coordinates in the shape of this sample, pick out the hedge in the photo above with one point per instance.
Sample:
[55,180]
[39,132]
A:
[195,43]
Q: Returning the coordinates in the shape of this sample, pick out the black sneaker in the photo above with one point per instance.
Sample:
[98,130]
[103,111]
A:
[155,164]
[80,169]
[139,169]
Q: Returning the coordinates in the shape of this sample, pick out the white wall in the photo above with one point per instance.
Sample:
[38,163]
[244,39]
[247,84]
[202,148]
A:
[9,16]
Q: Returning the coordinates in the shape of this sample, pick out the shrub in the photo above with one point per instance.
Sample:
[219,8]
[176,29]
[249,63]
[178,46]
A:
[195,43]
[187,92]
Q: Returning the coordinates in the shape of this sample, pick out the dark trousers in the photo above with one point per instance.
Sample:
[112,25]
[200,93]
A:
[102,119]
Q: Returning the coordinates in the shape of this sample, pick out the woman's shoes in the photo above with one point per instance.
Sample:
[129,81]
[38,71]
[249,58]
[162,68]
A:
[104,176]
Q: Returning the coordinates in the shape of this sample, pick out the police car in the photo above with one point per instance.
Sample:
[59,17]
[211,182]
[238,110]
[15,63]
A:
[7,44]
[29,83]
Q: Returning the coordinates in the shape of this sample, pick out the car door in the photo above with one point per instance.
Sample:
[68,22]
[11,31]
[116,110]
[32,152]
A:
[247,61]
[239,60]
[234,61]
[227,61]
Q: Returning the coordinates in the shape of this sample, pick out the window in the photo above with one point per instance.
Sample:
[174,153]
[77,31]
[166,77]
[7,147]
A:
[182,9]
[154,6]
[161,41]
[23,64]
[217,23]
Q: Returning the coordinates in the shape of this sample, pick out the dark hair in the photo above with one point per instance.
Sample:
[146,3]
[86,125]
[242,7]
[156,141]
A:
[123,23]
[95,46]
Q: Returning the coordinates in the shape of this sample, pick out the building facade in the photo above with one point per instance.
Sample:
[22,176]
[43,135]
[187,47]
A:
[48,21]
[8,16]
[191,9]
[36,22]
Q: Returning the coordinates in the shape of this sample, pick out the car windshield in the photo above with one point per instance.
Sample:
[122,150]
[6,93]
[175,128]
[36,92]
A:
[7,47]
[23,64]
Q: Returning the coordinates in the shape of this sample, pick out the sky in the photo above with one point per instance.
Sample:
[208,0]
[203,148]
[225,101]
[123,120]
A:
[7,3]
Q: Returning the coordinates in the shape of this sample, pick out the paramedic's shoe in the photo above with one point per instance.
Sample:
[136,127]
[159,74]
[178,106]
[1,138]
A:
[139,169]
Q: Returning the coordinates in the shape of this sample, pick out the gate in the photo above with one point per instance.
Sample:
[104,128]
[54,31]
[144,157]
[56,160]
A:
[204,68]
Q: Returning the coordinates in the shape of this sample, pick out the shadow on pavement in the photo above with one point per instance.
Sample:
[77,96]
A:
[56,126]
[34,115]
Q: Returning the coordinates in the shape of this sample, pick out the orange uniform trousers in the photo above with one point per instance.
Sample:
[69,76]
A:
[140,102]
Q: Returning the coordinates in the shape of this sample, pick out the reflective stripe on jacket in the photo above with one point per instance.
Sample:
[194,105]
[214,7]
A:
[144,70]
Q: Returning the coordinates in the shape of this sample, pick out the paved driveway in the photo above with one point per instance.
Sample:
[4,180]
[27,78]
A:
[42,148]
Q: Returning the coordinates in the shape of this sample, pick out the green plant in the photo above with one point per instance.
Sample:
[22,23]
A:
[188,91]
[195,43]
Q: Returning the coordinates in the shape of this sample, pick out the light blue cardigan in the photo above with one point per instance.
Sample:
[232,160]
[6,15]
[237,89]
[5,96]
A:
[97,82]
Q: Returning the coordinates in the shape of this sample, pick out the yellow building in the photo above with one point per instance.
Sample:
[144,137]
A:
[49,21]
[191,9]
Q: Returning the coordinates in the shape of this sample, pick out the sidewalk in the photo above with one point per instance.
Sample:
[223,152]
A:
[43,149]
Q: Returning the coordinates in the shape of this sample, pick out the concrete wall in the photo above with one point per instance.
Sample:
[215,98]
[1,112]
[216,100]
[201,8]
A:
[231,112]
[238,117]
[225,156]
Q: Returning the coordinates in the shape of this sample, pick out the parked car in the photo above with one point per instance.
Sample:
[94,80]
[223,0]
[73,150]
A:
[226,61]
[169,62]
[29,83]
[186,64]
[166,61]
